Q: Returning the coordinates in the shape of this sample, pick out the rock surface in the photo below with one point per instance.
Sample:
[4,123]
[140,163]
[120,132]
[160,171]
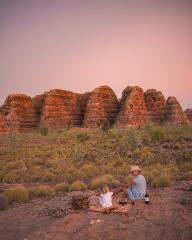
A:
[102,106]
[19,113]
[63,109]
[3,123]
[188,113]
[133,112]
[173,113]
[168,216]
[38,104]
[155,103]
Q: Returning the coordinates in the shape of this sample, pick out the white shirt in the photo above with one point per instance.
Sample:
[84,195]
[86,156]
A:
[106,199]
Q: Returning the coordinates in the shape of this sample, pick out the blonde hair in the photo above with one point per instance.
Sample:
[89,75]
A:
[105,189]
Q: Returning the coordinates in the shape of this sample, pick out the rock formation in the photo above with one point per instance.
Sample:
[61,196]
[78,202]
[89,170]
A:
[38,104]
[62,109]
[155,103]
[3,123]
[173,113]
[19,113]
[188,113]
[133,112]
[102,106]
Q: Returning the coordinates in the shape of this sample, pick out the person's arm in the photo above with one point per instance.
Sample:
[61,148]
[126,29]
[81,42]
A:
[129,184]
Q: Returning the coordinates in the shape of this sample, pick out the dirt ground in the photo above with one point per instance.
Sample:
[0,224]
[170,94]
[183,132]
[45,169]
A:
[167,217]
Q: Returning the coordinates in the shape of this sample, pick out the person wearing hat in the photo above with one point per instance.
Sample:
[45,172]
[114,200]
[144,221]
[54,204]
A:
[136,188]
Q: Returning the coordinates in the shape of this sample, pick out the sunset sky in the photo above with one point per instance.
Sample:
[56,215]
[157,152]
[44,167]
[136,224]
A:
[79,45]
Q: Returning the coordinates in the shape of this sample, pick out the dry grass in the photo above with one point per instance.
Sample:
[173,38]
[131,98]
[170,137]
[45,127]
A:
[77,186]
[42,191]
[61,187]
[88,155]
[17,194]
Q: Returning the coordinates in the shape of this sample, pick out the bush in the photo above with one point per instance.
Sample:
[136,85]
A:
[106,126]
[77,186]
[89,170]
[161,181]
[11,178]
[62,187]
[157,134]
[99,182]
[76,175]
[17,194]
[132,138]
[42,191]
[82,137]
[3,202]
[188,176]
[44,131]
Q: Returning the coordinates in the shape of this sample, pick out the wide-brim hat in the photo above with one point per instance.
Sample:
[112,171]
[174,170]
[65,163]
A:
[135,168]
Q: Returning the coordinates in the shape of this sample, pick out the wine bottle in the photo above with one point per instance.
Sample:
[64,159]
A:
[146,198]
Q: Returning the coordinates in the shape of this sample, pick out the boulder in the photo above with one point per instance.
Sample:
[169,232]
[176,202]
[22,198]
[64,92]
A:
[102,106]
[173,113]
[133,112]
[61,109]
[188,113]
[19,113]
[155,103]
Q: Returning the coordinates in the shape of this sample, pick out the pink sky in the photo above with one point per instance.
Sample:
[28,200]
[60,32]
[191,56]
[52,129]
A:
[79,45]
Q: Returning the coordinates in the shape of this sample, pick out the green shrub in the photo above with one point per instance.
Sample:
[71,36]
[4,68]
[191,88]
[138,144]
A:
[44,131]
[106,126]
[82,137]
[42,191]
[161,181]
[157,134]
[132,137]
[77,186]
[17,194]
[62,187]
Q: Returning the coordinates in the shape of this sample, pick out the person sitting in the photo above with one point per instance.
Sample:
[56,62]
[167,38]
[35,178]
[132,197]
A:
[106,197]
[136,188]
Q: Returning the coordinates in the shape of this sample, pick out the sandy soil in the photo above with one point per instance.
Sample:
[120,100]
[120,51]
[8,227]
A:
[167,217]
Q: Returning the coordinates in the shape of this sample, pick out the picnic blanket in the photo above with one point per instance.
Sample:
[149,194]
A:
[118,208]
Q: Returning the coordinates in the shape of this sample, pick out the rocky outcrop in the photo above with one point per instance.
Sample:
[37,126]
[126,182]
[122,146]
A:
[102,106]
[3,123]
[173,113]
[38,104]
[61,109]
[188,113]
[19,113]
[155,103]
[133,112]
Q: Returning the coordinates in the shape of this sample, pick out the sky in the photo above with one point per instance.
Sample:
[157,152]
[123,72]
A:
[78,45]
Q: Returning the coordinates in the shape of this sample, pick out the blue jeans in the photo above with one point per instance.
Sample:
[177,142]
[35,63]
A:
[134,194]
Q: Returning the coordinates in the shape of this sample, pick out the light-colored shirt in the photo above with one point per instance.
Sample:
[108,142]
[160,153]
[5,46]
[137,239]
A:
[106,199]
[140,183]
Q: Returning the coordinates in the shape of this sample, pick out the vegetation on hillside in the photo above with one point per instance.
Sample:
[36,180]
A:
[78,159]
